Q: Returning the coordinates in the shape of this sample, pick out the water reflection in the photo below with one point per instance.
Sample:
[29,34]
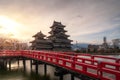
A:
[17,73]
[11,75]
[20,75]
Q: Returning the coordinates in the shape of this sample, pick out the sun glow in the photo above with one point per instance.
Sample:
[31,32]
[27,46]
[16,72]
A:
[8,26]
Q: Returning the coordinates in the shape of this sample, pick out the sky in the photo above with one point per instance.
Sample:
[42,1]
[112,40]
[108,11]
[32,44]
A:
[87,21]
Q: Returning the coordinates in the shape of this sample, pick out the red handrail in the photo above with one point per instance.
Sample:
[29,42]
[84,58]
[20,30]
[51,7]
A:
[88,66]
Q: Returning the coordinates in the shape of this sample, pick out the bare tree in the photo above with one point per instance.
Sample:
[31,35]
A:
[12,44]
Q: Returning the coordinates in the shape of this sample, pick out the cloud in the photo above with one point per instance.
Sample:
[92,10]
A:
[82,17]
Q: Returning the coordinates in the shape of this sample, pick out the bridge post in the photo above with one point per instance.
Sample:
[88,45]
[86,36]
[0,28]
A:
[2,64]
[99,72]
[31,64]
[117,61]
[45,69]
[61,77]
[24,64]
[10,64]
[36,66]
[5,64]
[72,76]
[18,63]
[92,57]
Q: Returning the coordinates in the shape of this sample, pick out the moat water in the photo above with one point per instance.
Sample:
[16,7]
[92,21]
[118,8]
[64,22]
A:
[17,73]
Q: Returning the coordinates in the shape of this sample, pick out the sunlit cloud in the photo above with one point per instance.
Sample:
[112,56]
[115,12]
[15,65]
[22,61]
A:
[81,17]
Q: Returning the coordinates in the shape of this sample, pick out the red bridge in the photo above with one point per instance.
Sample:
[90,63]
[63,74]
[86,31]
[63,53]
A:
[97,67]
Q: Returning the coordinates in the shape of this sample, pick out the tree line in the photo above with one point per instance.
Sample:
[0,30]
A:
[12,44]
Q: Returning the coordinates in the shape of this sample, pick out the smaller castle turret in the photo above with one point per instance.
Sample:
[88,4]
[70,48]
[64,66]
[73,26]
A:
[40,43]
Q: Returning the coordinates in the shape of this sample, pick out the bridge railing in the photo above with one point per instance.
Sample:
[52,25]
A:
[88,66]
[100,57]
[91,67]
[10,53]
[95,57]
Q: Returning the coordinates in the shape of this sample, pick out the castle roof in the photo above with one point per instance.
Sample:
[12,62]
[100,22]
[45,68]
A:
[57,24]
[39,34]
